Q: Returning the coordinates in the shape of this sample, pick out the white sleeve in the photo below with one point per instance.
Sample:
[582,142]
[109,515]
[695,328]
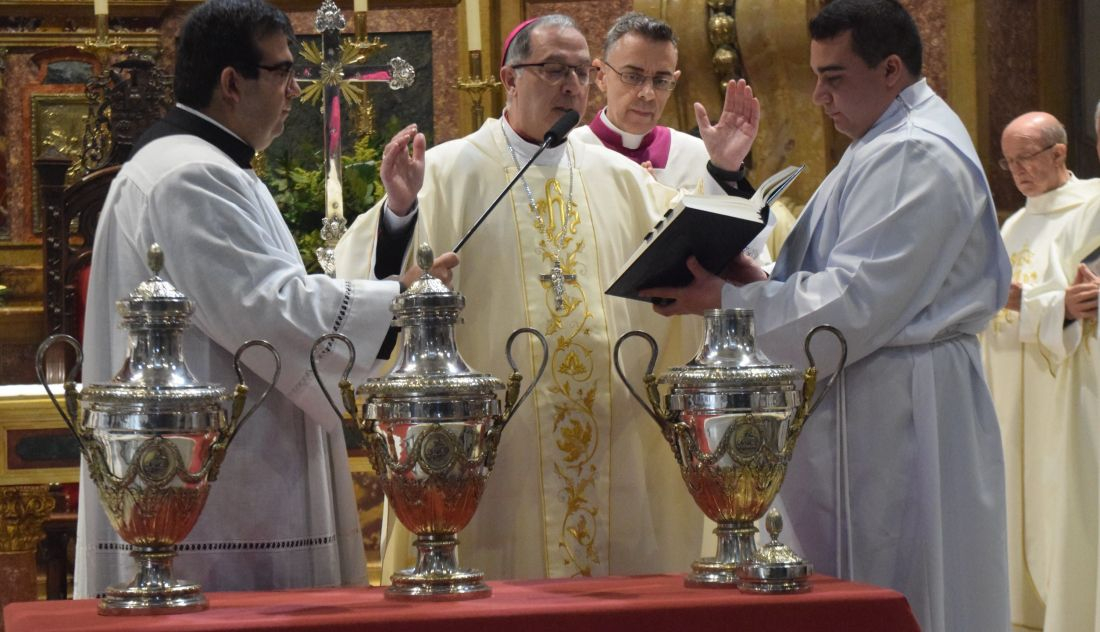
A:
[250,285]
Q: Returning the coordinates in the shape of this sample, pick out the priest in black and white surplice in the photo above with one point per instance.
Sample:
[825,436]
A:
[282,513]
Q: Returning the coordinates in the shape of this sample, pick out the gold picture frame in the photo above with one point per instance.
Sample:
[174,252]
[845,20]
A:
[31,420]
[56,120]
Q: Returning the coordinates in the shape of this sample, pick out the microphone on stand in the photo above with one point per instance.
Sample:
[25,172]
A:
[554,137]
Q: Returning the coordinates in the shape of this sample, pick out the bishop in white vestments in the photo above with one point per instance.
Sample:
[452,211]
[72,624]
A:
[584,483]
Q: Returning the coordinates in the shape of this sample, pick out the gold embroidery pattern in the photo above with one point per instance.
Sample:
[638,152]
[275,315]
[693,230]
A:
[571,387]
[1022,274]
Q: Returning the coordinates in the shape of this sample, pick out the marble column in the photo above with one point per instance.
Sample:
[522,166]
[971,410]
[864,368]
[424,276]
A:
[698,82]
[773,44]
[774,41]
[23,509]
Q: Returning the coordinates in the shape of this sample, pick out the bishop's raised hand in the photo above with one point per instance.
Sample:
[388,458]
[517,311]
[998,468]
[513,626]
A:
[403,169]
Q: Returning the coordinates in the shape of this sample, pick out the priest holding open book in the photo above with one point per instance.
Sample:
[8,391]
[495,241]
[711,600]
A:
[897,479]
[577,490]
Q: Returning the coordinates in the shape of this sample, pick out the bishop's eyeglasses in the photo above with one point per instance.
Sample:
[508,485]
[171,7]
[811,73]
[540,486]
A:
[553,72]
[1008,163]
[664,83]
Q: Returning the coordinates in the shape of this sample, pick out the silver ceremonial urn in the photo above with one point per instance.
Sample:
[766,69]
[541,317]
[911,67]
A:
[732,418]
[432,426]
[153,439]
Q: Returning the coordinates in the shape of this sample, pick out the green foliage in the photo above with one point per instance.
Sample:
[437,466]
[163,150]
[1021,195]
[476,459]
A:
[299,189]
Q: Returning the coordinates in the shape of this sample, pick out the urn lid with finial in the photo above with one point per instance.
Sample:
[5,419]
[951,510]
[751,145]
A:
[775,567]
[427,297]
[154,377]
[429,364]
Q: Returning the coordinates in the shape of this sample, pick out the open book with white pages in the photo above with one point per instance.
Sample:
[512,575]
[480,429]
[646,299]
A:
[712,228]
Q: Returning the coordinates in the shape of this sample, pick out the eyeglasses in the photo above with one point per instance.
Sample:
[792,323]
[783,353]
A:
[281,70]
[663,83]
[1007,163]
[553,72]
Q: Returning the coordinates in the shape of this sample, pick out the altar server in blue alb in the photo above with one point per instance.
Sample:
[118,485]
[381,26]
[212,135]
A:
[282,513]
[898,477]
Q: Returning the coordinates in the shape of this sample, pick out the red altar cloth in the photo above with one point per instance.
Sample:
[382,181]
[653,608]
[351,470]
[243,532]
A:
[630,604]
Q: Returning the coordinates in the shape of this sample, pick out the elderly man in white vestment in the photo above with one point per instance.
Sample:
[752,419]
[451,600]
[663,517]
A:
[1041,367]
[898,478]
[584,484]
[282,513]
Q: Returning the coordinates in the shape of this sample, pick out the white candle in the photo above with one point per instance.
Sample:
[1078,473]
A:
[101,7]
[473,24]
[360,6]
[334,195]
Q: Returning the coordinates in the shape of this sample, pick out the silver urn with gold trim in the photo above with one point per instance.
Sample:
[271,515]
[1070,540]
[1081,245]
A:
[732,418]
[432,427]
[153,439]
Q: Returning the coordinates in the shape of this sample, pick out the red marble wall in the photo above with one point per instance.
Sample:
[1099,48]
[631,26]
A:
[1008,71]
[1013,81]
[931,19]
[18,72]
[593,17]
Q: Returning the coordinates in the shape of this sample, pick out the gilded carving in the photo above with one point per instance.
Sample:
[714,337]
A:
[58,121]
[768,43]
[23,509]
[722,33]
[774,42]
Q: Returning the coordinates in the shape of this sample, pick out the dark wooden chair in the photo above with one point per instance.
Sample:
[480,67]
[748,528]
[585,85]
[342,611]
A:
[124,101]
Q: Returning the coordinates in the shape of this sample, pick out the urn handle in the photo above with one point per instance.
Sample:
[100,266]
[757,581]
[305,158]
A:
[654,407]
[809,383]
[70,411]
[237,419]
[347,394]
[511,401]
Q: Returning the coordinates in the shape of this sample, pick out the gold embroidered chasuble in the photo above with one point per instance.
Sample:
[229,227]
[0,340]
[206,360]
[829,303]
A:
[584,484]
[1038,366]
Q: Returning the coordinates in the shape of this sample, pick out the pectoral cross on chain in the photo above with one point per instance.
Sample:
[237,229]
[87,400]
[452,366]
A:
[556,279]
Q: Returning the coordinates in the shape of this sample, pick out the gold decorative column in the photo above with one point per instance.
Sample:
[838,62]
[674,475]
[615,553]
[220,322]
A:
[774,41]
[23,509]
[688,19]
